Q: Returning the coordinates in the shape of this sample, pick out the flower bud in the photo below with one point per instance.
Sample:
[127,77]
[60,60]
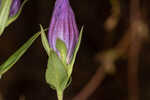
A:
[63,26]
[15,6]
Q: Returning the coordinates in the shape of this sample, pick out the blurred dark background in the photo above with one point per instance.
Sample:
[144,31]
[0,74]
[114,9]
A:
[27,75]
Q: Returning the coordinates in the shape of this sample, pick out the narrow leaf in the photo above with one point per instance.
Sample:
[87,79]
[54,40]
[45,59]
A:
[17,55]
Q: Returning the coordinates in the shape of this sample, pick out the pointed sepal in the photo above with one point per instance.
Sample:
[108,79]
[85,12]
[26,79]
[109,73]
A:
[70,66]
[61,47]
[45,41]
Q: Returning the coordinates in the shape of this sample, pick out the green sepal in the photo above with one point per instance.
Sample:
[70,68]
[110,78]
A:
[69,82]
[61,47]
[13,18]
[56,75]
[4,13]
[17,55]
[58,72]
[70,66]
[45,41]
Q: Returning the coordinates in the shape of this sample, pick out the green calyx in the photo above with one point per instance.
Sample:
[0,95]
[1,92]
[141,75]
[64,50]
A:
[58,72]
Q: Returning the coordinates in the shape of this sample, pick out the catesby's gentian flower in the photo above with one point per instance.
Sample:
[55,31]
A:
[15,6]
[63,26]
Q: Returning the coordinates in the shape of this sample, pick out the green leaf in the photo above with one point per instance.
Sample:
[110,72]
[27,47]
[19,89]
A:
[56,75]
[17,55]
[70,67]
[13,18]
[61,47]
[45,41]
[4,13]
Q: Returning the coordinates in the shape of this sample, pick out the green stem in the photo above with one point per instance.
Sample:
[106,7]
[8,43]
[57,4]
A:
[60,95]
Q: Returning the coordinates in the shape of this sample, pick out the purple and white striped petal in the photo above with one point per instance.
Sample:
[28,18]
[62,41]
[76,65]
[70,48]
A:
[63,26]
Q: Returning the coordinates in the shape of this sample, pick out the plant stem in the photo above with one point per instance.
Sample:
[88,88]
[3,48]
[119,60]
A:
[60,95]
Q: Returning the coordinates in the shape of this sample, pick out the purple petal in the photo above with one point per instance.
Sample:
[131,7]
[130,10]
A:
[63,26]
[14,7]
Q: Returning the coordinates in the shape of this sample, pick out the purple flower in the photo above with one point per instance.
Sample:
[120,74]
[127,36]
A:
[14,7]
[63,26]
